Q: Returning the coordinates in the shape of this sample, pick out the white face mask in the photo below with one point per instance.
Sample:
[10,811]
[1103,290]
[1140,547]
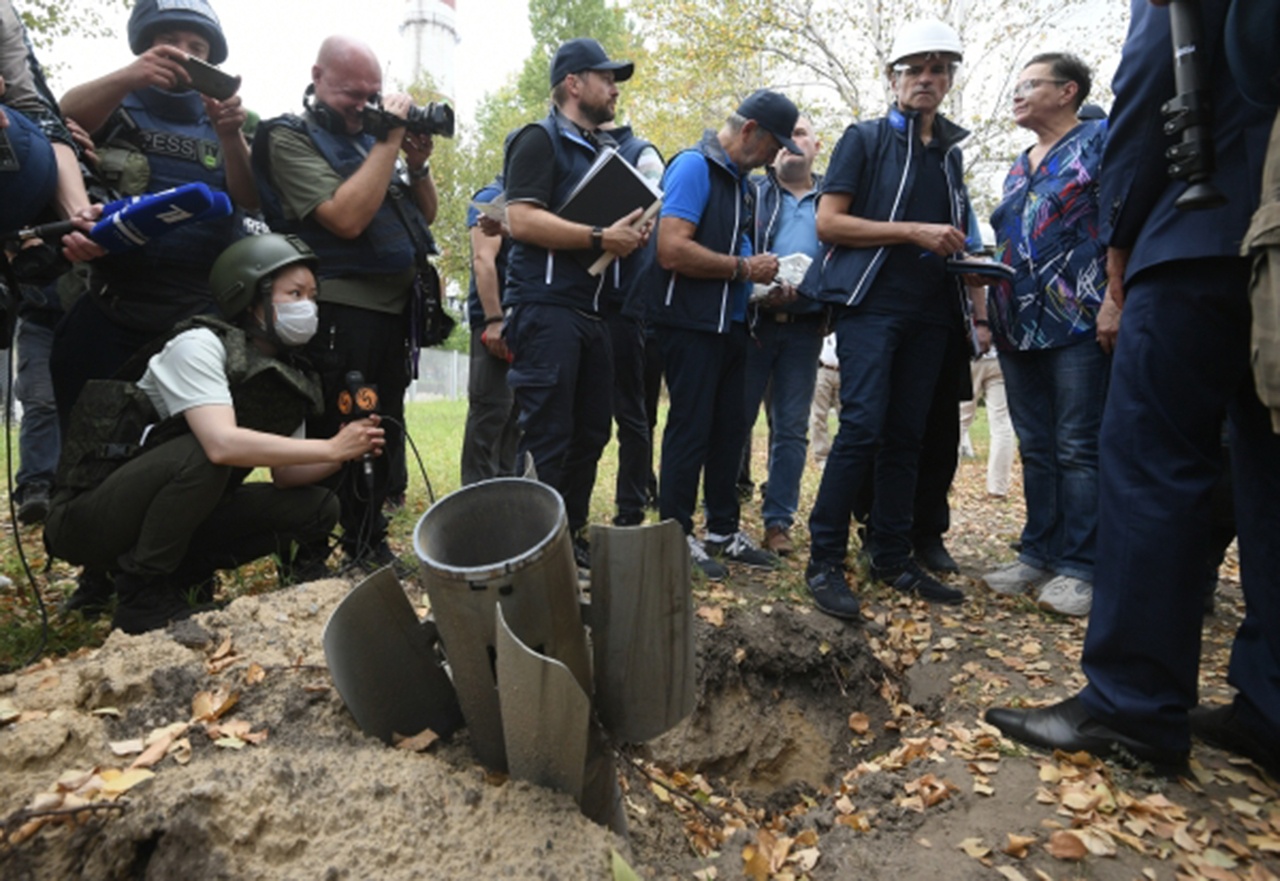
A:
[296,321]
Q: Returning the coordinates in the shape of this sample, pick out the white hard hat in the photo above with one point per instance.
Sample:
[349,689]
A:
[925,37]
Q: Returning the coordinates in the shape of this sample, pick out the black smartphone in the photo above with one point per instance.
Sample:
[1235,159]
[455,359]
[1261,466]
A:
[208,80]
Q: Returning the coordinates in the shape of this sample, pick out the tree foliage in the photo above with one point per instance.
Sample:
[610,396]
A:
[46,20]
[831,56]
[696,59]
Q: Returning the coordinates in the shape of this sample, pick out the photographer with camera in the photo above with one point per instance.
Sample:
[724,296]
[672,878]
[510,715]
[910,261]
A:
[332,177]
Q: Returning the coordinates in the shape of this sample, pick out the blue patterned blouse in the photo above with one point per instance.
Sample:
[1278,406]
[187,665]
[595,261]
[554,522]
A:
[1046,228]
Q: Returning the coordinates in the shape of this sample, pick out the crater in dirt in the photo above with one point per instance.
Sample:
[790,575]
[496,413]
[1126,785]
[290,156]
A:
[775,695]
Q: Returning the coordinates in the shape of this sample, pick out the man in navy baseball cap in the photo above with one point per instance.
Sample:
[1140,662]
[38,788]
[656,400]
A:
[774,113]
[582,54]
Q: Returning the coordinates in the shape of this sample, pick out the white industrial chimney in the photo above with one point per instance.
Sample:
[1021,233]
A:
[430,34]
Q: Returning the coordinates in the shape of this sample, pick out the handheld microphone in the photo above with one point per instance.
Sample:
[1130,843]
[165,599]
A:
[356,401]
[132,222]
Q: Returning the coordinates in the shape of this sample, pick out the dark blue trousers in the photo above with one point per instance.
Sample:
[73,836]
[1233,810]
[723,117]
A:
[1181,365]
[889,367]
[635,442]
[706,424]
[562,377]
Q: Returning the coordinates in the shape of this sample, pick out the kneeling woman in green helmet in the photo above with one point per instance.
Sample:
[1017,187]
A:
[150,485]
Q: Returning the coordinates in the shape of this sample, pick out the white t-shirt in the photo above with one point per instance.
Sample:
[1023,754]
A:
[190,371]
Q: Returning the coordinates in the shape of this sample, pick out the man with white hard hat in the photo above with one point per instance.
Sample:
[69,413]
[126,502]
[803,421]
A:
[893,208]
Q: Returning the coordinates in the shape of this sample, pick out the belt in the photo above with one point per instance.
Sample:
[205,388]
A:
[828,367]
[793,317]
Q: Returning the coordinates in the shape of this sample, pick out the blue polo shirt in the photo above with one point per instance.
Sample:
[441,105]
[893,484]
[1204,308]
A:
[796,231]
[687,188]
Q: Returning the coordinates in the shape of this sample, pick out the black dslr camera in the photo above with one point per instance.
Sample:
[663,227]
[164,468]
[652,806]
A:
[430,119]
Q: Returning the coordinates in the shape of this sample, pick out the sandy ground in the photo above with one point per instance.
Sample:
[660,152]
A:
[817,750]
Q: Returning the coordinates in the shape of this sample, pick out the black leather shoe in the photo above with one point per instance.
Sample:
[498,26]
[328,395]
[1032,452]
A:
[830,591]
[933,555]
[913,580]
[1233,729]
[1069,727]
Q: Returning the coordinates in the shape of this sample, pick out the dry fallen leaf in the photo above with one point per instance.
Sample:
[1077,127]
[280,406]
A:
[713,615]
[118,782]
[859,723]
[1018,845]
[417,743]
[1011,873]
[755,865]
[1065,846]
[154,753]
[208,706]
[254,674]
[974,848]
[127,747]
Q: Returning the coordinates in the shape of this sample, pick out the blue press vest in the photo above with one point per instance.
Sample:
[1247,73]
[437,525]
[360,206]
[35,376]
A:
[181,147]
[384,247]
[707,303]
[537,275]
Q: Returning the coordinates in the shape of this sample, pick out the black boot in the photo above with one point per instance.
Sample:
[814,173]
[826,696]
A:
[93,594]
[149,603]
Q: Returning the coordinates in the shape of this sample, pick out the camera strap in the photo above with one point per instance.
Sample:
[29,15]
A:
[429,323]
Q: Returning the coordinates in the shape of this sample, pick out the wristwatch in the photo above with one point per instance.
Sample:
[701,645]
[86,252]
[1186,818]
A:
[417,174]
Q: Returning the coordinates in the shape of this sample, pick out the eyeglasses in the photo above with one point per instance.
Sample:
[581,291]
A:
[1026,87]
[914,70]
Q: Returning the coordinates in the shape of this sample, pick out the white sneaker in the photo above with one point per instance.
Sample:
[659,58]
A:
[1066,595]
[1015,578]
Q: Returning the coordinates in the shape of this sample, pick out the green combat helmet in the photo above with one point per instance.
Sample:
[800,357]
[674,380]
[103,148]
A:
[240,271]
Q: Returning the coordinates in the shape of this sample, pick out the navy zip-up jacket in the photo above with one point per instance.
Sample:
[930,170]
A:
[707,303]
[844,275]
[536,274]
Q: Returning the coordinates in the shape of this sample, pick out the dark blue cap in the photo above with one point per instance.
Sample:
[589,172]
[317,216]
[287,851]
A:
[584,53]
[773,112]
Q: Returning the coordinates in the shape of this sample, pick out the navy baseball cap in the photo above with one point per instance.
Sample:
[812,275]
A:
[773,112]
[584,53]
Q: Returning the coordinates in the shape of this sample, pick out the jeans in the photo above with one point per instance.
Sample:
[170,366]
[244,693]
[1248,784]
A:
[706,425]
[784,354]
[1056,397]
[492,429]
[39,438]
[889,367]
